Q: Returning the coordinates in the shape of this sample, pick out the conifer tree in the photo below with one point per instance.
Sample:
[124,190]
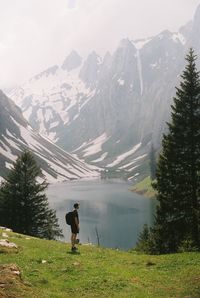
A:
[178,169]
[23,203]
[143,240]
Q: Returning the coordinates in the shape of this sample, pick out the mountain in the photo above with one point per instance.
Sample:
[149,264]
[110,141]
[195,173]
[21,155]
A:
[109,110]
[16,135]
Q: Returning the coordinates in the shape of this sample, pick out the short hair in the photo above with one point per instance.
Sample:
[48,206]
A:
[76,205]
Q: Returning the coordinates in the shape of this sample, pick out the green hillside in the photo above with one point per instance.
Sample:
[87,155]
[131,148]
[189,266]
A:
[49,269]
[144,188]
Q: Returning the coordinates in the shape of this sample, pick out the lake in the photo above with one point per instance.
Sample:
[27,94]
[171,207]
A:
[107,207]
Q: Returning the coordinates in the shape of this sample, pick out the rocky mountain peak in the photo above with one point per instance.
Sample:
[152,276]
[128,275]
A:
[72,61]
[93,57]
[90,69]
[124,58]
[125,42]
[49,71]
[165,34]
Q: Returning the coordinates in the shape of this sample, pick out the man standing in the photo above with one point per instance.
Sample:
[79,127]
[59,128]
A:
[74,226]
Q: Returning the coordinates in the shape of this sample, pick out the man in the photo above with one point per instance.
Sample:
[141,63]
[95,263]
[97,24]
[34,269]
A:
[74,226]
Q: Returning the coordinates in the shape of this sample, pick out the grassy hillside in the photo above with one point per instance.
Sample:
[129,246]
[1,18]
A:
[144,188]
[49,269]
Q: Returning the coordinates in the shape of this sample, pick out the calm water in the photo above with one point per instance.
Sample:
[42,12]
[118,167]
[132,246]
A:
[108,207]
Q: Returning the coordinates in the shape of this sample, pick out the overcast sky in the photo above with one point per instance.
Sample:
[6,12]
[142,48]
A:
[35,34]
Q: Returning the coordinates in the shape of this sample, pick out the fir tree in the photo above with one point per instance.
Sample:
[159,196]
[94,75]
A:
[178,179]
[143,240]
[23,203]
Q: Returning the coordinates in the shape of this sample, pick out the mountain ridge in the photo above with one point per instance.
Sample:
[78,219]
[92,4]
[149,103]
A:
[17,136]
[115,102]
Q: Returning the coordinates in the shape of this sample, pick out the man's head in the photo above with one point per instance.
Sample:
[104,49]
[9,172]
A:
[76,206]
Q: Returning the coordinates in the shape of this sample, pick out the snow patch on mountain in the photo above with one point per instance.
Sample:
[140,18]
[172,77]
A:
[133,168]
[30,140]
[96,145]
[140,43]
[121,82]
[28,112]
[52,95]
[101,158]
[12,144]
[178,37]
[8,165]
[154,65]
[54,124]
[133,177]
[52,136]
[6,151]
[127,166]
[124,156]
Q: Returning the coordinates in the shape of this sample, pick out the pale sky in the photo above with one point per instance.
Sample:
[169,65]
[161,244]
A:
[36,34]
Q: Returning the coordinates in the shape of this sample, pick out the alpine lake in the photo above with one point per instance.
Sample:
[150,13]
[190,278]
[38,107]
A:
[110,214]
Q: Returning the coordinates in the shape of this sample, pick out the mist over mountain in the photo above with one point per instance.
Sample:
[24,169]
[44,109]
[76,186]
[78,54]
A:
[109,110]
[16,135]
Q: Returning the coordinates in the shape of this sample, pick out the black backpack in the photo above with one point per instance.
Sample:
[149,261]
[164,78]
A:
[68,218]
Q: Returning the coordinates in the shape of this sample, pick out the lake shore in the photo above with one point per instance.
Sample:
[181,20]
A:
[108,206]
[144,188]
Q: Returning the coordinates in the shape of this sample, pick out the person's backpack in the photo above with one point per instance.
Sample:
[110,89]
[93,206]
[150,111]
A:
[68,218]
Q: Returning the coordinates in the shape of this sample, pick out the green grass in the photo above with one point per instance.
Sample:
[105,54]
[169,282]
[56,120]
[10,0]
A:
[144,188]
[98,272]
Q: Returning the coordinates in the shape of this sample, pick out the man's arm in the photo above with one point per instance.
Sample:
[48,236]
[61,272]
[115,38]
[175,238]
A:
[76,222]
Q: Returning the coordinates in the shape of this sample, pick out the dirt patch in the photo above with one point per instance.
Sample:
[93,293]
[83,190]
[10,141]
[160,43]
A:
[8,250]
[11,283]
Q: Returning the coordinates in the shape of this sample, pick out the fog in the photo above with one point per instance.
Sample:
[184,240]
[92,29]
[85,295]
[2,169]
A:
[36,34]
